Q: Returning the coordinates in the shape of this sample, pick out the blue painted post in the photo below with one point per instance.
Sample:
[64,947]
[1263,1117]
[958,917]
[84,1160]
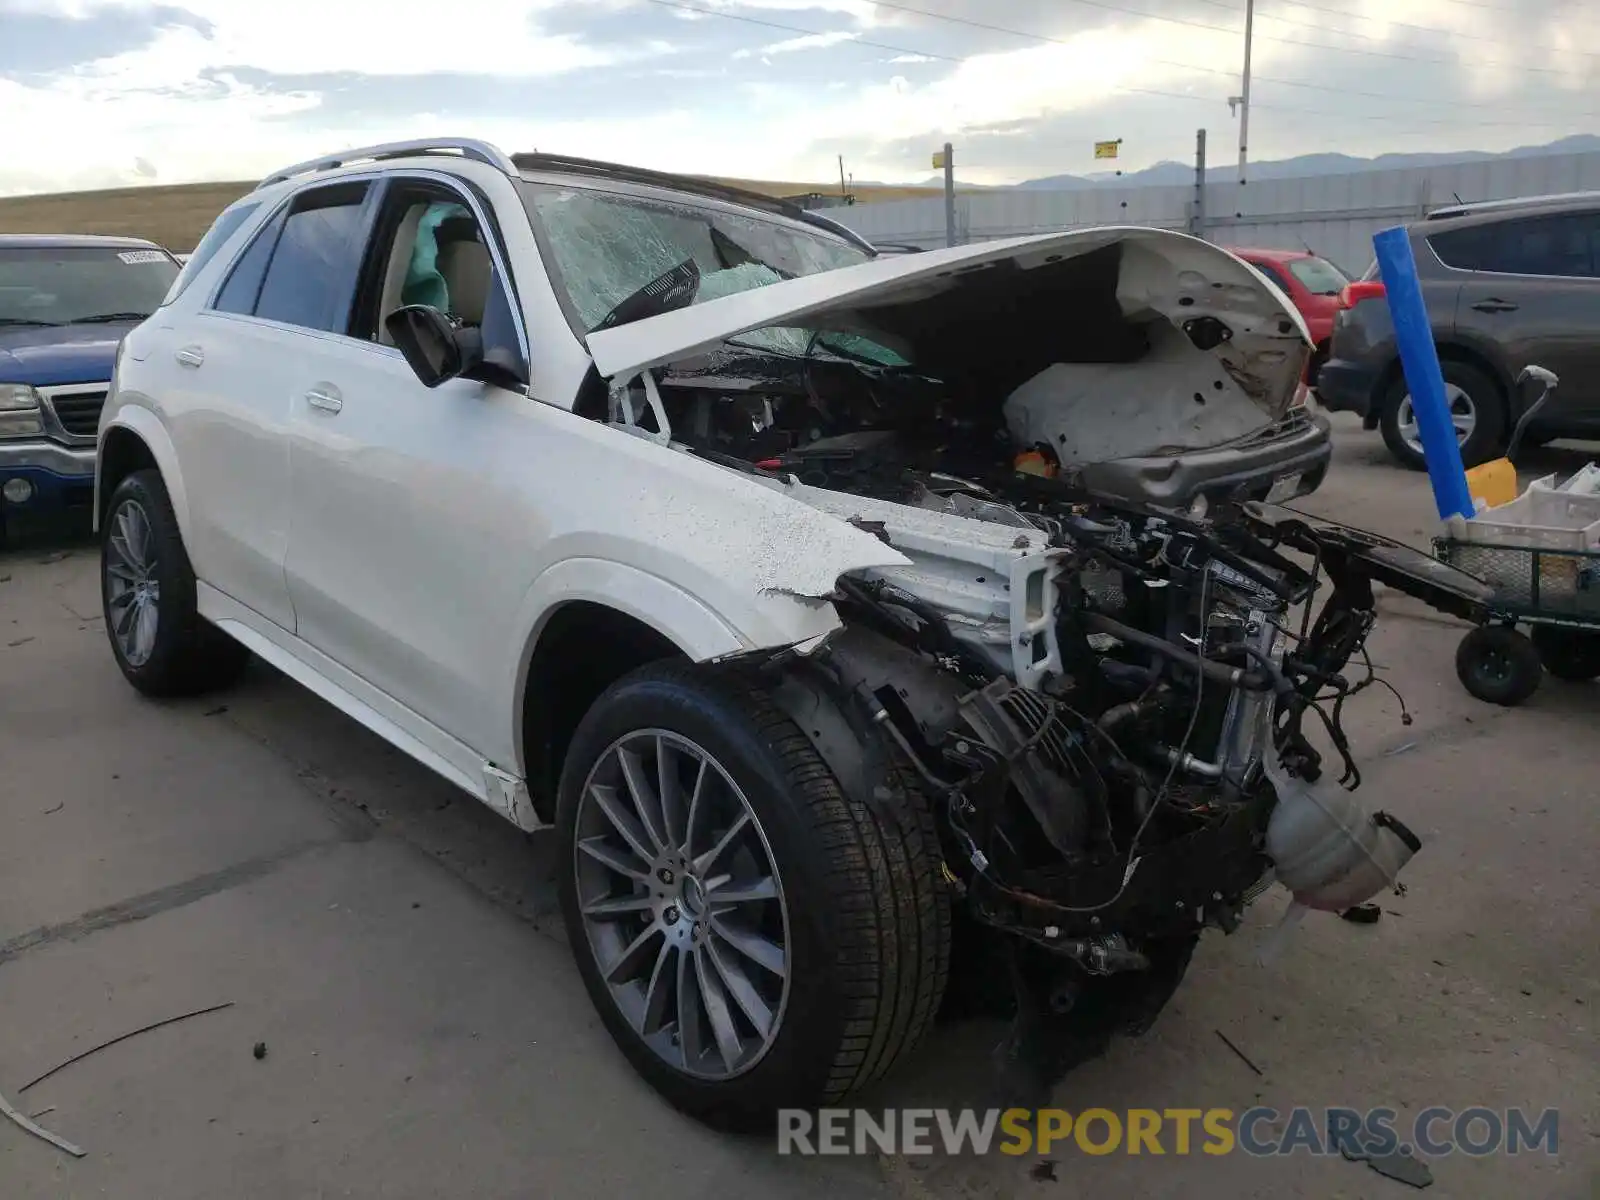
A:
[1418,356]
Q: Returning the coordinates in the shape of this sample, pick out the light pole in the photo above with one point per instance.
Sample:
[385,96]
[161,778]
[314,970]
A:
[945,160]
[1242,101]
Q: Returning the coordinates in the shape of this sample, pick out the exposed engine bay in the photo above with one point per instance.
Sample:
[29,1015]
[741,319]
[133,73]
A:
[1101,815]
[1111,706]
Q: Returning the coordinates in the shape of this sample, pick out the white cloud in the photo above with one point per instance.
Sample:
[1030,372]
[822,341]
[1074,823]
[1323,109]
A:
[167,105]
[864,11]
[810,41]
[374,37]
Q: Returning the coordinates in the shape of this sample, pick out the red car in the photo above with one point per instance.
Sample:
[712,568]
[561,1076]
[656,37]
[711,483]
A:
[1313,284]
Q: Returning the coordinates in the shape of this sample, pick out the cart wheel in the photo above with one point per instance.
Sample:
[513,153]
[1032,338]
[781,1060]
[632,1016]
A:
[1498,665]
[1570,654]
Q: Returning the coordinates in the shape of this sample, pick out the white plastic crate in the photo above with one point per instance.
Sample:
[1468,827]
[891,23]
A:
[1586,482]
[1541,518]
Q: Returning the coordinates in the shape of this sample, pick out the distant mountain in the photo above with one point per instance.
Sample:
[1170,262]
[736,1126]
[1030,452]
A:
[1168,172]
[937,181]
[1223,166]
[1301,166]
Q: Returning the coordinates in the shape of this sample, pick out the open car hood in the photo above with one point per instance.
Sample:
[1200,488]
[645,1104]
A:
[1196,345]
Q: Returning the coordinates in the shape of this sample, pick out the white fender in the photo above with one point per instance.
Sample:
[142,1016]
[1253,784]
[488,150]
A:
[679,616]
[153,434]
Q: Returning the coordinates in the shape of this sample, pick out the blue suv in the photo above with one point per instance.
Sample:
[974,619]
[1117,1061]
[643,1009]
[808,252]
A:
[65,304]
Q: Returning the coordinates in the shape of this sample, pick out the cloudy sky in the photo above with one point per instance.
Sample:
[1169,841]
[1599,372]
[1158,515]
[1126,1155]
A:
[100,93]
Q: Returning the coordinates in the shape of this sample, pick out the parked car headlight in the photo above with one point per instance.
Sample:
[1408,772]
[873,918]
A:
[19,411]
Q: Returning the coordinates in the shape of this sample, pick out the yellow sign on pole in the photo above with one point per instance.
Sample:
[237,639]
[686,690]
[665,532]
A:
[938,160]
[1106,149]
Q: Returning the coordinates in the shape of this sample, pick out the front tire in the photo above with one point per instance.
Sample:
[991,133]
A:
[772,944]
[147,588]
[1477,407]
[1498,665]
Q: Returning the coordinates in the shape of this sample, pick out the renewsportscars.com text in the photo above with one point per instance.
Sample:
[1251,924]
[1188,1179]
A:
[1434,1132]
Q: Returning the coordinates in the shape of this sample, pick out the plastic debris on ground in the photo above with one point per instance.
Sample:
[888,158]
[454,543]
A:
[1402,1167]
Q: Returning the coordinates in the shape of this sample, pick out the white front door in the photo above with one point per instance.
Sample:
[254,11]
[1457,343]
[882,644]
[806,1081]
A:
[403,560]
[407,562]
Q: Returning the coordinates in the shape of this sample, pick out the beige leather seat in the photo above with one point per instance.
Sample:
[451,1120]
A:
[468,271]
[394,278]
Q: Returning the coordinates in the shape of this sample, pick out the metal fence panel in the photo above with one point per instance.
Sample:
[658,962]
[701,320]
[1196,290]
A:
[1336,215]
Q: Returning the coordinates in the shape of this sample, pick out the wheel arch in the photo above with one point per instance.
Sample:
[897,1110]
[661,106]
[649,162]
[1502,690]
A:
[589,622]
[1458,351]
[135,441]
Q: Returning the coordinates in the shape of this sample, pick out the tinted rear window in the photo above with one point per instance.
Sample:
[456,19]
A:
[1565,245]
[1318,276]
[221,230]
[316,257]
[238,294]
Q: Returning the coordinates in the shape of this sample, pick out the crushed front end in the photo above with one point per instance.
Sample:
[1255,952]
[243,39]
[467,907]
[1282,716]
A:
[1092,658]
[1108,710]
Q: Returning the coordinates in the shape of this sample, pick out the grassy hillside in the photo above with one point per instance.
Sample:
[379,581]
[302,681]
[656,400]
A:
[176,216]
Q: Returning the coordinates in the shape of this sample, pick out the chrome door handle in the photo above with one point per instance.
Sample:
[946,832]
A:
[191,356]
[326,398]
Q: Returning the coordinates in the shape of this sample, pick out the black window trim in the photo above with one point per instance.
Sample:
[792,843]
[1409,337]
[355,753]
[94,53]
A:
[379,179]
[262,227]
[1507,219]
[273,227]
[371,187]
[248,223]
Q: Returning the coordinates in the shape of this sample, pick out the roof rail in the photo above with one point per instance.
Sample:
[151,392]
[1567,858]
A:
[472,148]
[1477,206]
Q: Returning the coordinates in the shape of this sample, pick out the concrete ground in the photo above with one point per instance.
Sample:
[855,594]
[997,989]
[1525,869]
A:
[396,949]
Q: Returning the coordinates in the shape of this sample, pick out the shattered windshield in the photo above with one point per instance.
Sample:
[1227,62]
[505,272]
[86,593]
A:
[622,258]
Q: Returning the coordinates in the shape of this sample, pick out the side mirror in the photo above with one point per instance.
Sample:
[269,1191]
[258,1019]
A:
[435,349]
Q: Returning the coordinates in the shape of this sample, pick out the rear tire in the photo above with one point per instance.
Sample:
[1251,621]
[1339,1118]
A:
[865,920]
[1487,438]
[1572,655]
[147,589]
[1498,665]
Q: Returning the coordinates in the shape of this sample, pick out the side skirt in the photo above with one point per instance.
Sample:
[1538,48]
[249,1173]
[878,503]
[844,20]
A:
[398,725]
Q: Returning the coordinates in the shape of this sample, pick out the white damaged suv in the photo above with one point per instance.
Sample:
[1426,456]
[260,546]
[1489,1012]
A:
[833,609]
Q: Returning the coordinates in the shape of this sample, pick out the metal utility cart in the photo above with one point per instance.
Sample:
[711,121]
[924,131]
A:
[1539,558]
[1554,593]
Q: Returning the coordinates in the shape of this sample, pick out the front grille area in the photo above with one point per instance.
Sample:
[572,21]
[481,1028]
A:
[1297,420]
[78,409]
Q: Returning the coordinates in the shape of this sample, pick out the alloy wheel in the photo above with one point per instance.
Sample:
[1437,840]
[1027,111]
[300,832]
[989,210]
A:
[682,904]
[133,593]
[1463,415]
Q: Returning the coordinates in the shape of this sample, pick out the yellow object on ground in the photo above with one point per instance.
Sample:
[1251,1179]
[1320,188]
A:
[1494,482]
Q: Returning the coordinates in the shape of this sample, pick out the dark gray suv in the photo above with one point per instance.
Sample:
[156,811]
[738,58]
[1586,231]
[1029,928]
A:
[1507,283]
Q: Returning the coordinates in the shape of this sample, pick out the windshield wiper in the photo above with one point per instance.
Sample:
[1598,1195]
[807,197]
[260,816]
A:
[102,318]
[26,321]
[672,289]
